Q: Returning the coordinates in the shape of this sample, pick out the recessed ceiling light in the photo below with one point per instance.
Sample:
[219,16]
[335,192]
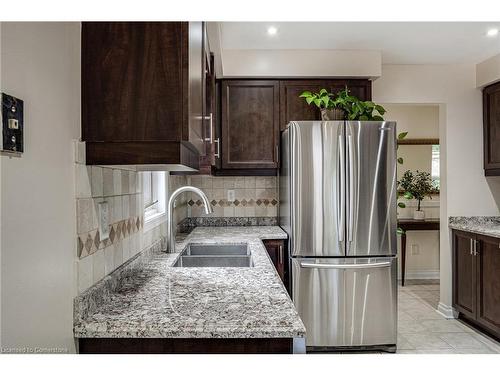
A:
[492,32]
[271,30]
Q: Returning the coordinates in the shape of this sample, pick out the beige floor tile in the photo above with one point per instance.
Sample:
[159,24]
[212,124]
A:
[437,351]
[421,330]
[425,341]
[462,340]
[410,326]
[443,326]
[424,313]
[406,351]
[403,344]
[476,351]
[403,316]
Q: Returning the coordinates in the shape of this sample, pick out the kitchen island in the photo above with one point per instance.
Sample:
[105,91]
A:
[149,306]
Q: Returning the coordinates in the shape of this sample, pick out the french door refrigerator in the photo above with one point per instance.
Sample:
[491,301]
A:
[338,206]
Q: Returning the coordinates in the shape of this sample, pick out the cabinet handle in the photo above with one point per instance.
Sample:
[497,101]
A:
[211,137]
[277,153]
[217,154]
[280,255]
[471,252]
[475,248]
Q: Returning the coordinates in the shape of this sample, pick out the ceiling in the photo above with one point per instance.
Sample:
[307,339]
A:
[399,42]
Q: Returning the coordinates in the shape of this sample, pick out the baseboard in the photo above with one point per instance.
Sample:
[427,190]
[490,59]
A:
[421,274]
[447,311]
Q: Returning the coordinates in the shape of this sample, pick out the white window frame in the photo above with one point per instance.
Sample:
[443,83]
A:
[154,203]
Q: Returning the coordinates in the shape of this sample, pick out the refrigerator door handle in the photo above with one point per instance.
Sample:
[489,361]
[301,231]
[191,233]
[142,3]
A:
[340,211]
[350,226]
[345,266]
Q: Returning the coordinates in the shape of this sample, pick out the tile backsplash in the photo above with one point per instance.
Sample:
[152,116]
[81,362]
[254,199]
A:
[122,189]
[253,196]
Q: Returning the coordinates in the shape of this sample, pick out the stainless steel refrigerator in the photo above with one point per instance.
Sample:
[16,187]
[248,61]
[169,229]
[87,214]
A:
[338,205]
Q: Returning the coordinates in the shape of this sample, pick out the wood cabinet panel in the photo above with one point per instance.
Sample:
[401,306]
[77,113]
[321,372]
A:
[142,82]
[476,280]
[488,283]
[132,81]
[143,345]
[278,253]
[464,274]
[250,124]
[491,130]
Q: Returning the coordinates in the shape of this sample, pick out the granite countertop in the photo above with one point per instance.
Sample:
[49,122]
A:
[486,225]
[150,298]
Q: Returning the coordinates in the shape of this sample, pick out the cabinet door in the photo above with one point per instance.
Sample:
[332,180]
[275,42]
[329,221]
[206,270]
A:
[491,131]
[488,283]
[294,108]
[276,251]
[133,81]
[250,124]
[464,273]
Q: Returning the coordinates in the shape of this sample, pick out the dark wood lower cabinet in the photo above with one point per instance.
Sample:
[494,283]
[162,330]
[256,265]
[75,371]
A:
[476,280]
[184,346]
[488,284]
[279,256]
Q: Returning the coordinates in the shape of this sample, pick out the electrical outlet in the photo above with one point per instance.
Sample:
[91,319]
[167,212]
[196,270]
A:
[103,220]
[230,195]
[415,250]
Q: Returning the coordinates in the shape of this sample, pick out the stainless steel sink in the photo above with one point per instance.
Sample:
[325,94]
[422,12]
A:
[230,255]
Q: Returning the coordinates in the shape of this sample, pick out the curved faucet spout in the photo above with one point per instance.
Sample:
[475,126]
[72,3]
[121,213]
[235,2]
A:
[171,229]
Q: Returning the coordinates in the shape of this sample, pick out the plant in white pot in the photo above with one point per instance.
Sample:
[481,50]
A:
[417,186]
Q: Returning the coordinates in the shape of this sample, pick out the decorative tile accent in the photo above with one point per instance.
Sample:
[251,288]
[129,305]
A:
[88,243]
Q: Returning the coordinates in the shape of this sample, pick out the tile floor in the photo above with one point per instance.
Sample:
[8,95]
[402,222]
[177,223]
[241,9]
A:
[422,330]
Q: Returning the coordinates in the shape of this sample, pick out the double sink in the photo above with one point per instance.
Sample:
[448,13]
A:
[227,255]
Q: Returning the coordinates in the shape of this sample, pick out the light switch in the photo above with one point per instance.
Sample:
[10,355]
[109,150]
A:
[230,195]
[13,123]
[103,220]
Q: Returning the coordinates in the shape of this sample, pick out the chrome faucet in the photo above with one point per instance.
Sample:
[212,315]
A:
[171,230]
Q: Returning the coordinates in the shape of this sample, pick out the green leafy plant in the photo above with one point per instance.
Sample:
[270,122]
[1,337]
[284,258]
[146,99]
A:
[353,108]
[356,109]
[321,99]
[416,185]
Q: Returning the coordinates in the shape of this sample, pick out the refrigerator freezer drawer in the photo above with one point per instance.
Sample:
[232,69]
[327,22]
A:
[346,302]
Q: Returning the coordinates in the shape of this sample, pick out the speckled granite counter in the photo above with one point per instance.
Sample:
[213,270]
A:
[486,225]
[149,298]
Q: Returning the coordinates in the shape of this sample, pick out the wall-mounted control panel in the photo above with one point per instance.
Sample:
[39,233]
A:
[12,129]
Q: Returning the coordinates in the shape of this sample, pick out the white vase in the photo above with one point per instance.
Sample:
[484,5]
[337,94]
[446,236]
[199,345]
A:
[419,215]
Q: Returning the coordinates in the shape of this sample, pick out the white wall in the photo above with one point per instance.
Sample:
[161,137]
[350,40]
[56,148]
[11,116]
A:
[300,63]
[41,65]
[464,189]
[488,71]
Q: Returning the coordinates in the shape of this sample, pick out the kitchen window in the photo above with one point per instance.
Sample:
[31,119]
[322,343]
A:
[154,188]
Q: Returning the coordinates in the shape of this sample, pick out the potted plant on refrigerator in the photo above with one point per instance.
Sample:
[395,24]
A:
[417,186]
[343,106]
[330,111]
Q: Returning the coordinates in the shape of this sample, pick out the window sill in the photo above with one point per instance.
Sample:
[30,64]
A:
[153,220]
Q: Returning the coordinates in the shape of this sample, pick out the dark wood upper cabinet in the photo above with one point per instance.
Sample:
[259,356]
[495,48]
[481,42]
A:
[294,108]
[250,124]
[491,129]
[143,92]
[476,280]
